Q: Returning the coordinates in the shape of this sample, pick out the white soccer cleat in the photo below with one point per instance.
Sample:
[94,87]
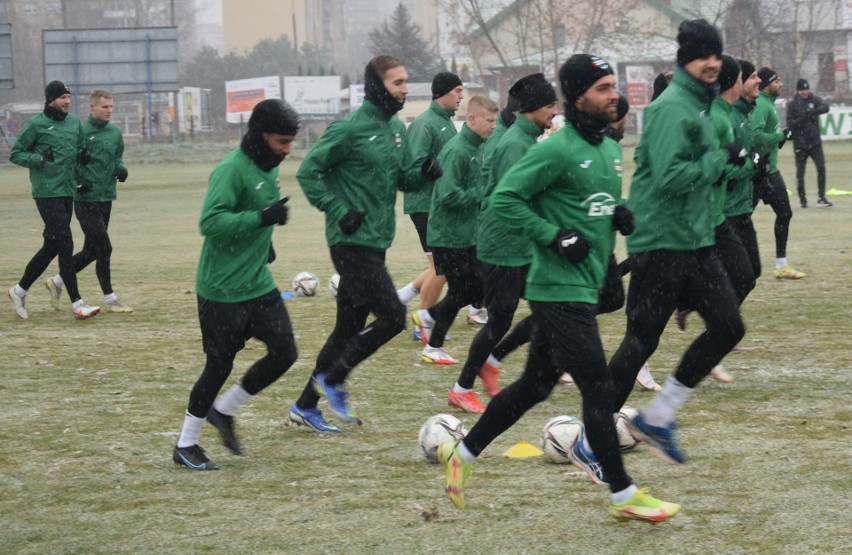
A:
[436,355]
[19,303]
[118,306]
[55,293]
[477,316]
[85,311]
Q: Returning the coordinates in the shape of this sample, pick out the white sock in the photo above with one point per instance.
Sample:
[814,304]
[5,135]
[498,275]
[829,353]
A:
[624,495]
[473,311]
[780,263]
[466,455]
[492,360]
[77,304]
[191,431]
[407,293]
[661,410]
[111,298]
[425,318]
[229,403]
[57,281]
[459,389]
[20,292]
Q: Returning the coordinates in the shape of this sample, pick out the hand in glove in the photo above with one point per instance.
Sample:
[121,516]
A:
[571,244]
[85,156]
[431,170]
[83,188]
[788,134]
[736,153]
[122,175]
[351,221]
[622,220]
[46,156]
[275,213]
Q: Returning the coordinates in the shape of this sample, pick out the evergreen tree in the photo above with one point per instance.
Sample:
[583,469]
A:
[402,38]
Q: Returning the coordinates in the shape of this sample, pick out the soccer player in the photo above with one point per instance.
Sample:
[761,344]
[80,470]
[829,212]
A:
[51,146]
[771,189]
[503,256]
[452,227]
[427,135]
[94,196]
[237,296]
[352,175]
[803,114]
[562,195]
[679,163]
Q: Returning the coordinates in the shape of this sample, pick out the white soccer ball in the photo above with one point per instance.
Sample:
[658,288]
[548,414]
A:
[437,430]
[305,284]
[559,436]
[625,441]
[333,284]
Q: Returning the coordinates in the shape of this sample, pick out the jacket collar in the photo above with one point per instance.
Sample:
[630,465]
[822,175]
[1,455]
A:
[691,85]
[441,111]
[373,111]
[470,136]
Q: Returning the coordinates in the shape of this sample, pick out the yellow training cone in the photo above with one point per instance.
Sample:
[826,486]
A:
[523,450]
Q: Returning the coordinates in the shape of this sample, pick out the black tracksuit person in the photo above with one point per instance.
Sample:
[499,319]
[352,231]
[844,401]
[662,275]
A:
[803,119]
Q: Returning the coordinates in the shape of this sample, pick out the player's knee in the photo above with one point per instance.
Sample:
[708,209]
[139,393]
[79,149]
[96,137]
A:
[396,320]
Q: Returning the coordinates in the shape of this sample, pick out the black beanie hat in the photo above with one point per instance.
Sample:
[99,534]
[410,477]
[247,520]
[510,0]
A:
[621,108]
[748,68]
[274,116]
[443,83]
[767,76]
[532,92]
[729,73]
[54,90]
[697,39]
[802,85]
[580,72]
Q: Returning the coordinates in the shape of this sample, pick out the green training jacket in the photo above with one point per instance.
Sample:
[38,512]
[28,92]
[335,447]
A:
[360,162]
[57,178]
[104,141]
[738,201]
[233,267]
[678,160]
[427,135]
[457,194]
[766,127]
[720,115]
[564,182]
[495,243]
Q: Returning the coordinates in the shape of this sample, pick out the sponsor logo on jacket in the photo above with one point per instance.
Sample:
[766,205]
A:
[600,204]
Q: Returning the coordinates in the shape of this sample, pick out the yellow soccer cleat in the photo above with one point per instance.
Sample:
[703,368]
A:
[456,470]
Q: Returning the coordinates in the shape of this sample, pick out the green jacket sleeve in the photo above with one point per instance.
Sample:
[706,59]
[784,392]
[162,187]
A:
[513,193]
[218,213]
[765,140]
[676,165]
[23,151]
[328,152]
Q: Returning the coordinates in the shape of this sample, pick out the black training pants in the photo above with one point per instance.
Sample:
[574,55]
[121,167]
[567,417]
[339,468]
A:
[802,154]
[94,221]
[55,212]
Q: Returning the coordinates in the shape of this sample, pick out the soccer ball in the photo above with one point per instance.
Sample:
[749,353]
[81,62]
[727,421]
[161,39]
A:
[625,441]
[559,436]
[437,430]
[305,284]
[333,284]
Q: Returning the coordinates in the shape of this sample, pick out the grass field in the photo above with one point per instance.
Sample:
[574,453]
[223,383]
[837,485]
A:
[93,408]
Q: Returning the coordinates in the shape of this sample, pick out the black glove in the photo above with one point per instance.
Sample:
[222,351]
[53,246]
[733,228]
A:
[788,134]
[431,170]
[622,220]
[270,258]
[571,244]
[722,178]
[351,221]
[732,184]
[85,156]
[736,153]
[122,175]
[83,188]
[46,156]
[275,213]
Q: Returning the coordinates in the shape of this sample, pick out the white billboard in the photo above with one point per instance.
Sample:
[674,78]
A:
[356,97]
[243,94]
[836,125]
[313,95]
